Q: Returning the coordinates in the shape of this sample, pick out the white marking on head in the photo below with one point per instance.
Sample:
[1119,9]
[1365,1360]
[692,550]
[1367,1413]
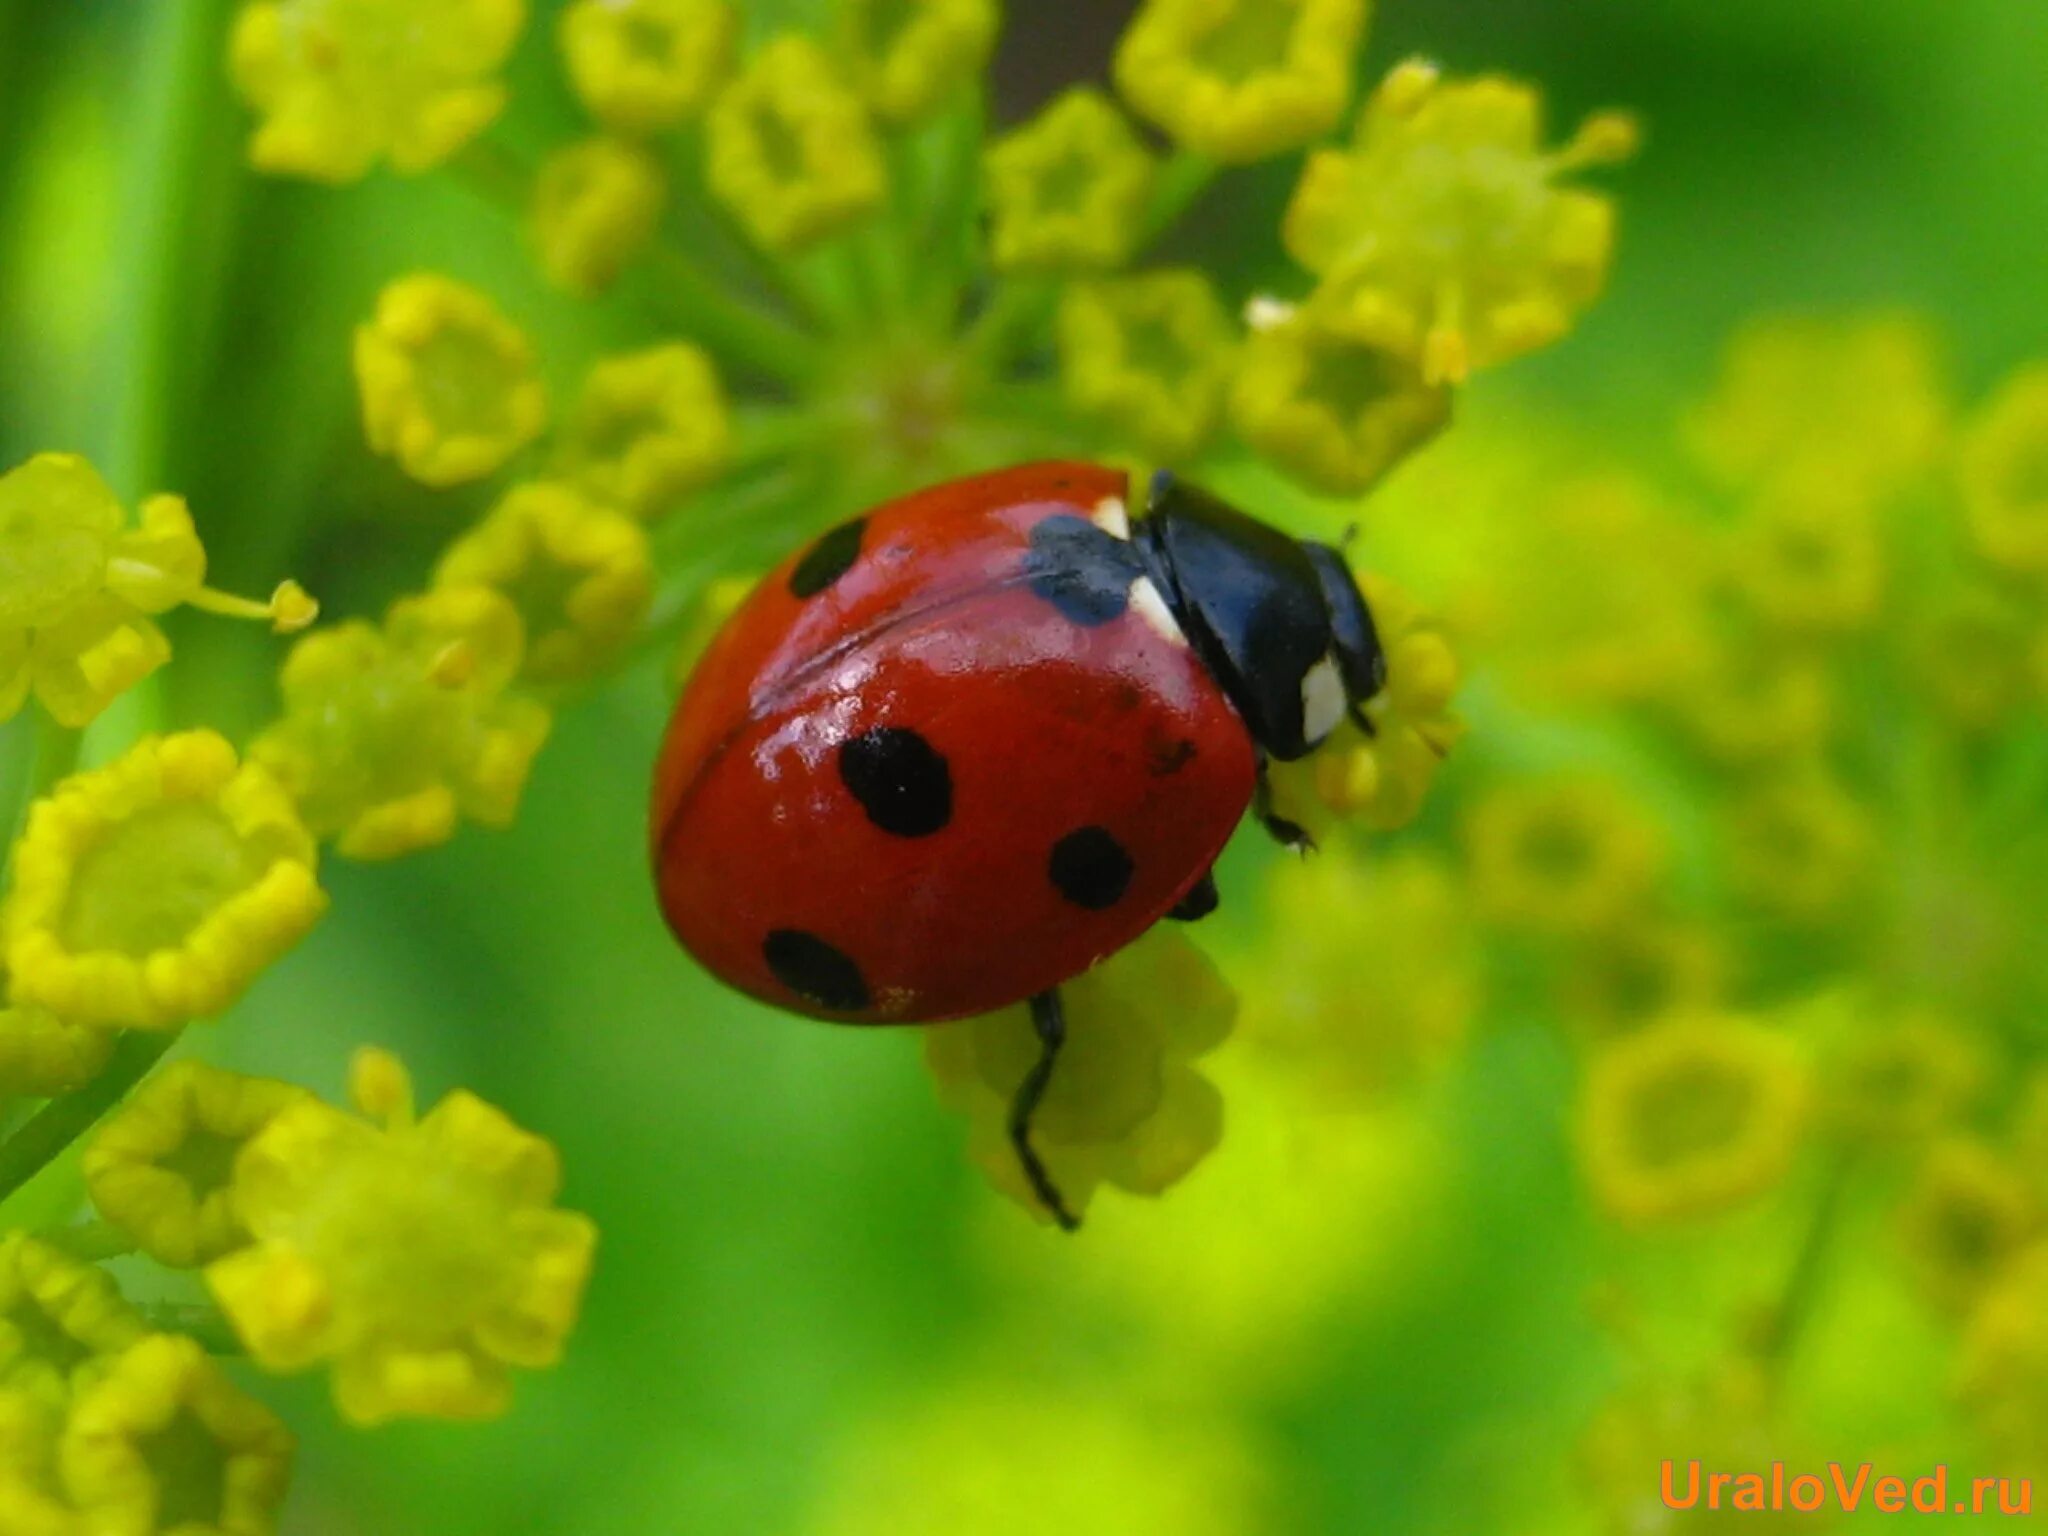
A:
[1111,517]
[1151,607]
[1322,701]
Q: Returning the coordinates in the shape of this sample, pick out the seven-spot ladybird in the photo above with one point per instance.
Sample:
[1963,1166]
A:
[962,748]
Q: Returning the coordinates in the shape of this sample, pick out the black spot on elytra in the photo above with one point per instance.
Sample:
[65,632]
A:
[1080,569]
[828,559]
[900,780]
[1090,868]
[814,970]
[1166,758]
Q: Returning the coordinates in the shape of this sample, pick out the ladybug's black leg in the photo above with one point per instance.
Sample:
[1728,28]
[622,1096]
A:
[1284,832]
[1050,1020]
[1199,902]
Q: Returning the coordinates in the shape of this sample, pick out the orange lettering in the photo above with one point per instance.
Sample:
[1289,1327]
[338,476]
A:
[1891,1494]
[1851,1495]
[1692,1486]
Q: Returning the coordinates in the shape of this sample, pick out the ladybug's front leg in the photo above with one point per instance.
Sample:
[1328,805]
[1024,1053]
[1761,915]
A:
[1287,833]
[1050,1020]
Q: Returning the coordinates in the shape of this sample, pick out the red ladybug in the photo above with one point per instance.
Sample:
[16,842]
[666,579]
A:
[962,748]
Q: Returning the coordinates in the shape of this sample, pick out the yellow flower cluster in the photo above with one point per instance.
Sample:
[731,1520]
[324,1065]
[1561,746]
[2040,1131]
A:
[80,590]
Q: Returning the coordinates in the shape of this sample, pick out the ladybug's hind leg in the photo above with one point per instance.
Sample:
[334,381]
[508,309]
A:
[1050,1020]
[1199,902]
[1288,834]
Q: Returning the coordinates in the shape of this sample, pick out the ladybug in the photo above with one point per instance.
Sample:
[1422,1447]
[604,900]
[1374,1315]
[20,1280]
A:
[962,748]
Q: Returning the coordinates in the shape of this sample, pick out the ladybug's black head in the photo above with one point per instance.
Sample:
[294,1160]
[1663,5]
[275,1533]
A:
[1279,621]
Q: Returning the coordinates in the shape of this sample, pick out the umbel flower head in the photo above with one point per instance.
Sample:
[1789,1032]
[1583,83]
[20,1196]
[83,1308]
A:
[342,84]
[596,205]
[161,1440]
[1151,355]
[153,890]
[79,588]
[1441,234]
[59,1318]
[447,382]
[647,429]
[1066,190]
[423,1257]
[644,66]
[42,1054]
[1127,1106]
[159,1168]
[909,55]
[392,733]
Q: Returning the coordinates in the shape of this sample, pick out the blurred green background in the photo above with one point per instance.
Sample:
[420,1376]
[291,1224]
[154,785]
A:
[793,1244]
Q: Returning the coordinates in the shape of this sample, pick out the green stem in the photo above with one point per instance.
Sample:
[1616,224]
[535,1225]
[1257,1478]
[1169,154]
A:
[1019,309]
[53,758]
[92,1241]
[1183,180]
[63,1120]
[1783,1324]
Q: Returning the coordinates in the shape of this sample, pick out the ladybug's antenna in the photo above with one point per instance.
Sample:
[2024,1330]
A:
[1050,1020]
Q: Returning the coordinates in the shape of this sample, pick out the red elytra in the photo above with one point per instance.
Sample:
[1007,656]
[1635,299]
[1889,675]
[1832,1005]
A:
[907,783]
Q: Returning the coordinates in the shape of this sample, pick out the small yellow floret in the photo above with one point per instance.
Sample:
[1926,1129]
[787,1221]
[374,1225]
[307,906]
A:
[579,574]
[909,55]
[342,84]
[154,890]
[79,587]
[41,1054]
[422,1258]
[1333,413]
[1242,79]
[1808,556]
[644,66]
[448,384]
[648,429]
[1151,355]
[1690,1117]
[390,734]
[791,150]
[1644,970]
[1799,845]
[31,1501]
[1127,1105]
[1442,233]
[1910,1077]
[596,207]
[159,1168]
[2003,467]
[1067,190]
[163,1441]
[60,1319]
[1562,856]
[1968,1212]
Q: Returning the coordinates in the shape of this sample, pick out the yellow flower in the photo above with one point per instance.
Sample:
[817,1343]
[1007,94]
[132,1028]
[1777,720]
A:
[1242,79]
[158,1169]
[997,1455]
[1751,701]
[596,207]
[391,734]
[1563,856]
[648,429]
[1969,653]
[2003,467]
[1861,401]
[421,1257]
[1333,413]
[1151,355]
[163,1441]
[1689,1117]
[1799,846]
[1904,1080]
[155,889]
[31,1502]
[447,382]
[341,84]
[78,588]
[42,1054]
[908,55]
[1067,190]
[1381,780]
[1374,979]
[1968,1212]
[2002,1373]
[643,66]
[1807,556]
[1643,970]
[1127,1105]
[59,1319]
[579,574]
[791,151]
[1442,233]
